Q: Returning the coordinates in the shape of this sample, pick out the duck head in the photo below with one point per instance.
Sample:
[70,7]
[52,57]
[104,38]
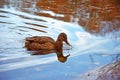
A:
[63,37]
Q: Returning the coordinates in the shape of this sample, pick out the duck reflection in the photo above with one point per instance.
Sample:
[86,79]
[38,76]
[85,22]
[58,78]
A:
[42,45]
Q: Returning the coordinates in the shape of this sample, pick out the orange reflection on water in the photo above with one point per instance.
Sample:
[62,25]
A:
[103,14]
[96,16]
[57,6]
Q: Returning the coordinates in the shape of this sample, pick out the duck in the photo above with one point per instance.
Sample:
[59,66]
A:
[43,44]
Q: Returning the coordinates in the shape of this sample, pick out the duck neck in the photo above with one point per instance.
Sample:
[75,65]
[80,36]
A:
[59,46]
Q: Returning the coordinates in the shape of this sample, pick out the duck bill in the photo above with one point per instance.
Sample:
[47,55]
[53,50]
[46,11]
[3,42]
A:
[67,43]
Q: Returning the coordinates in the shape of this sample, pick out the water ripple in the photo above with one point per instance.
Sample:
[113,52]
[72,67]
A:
[16,25]
[27,63]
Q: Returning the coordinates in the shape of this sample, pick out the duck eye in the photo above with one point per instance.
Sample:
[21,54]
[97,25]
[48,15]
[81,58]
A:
[65,37]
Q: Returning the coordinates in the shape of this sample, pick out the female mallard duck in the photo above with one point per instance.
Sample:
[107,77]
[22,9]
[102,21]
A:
[38,43]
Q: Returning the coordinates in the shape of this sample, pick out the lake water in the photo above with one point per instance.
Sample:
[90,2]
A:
[92,29]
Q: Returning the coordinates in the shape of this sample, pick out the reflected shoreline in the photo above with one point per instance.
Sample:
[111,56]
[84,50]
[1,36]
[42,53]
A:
[98,19]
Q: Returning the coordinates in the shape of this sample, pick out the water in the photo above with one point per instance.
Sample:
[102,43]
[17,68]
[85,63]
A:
[93,44]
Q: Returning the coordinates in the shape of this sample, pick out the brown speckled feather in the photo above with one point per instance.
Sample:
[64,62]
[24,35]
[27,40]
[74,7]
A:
[39,42]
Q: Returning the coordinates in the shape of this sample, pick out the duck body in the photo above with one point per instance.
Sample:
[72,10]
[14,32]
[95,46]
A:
[40,43]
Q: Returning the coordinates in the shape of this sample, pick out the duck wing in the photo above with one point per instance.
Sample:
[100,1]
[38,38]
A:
[39,42]
[40,39]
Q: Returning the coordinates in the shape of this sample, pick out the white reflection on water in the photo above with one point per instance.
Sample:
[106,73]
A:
[51,13]
[16,25]
[27,63]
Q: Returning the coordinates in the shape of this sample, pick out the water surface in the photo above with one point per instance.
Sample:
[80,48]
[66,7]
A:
[93,30]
